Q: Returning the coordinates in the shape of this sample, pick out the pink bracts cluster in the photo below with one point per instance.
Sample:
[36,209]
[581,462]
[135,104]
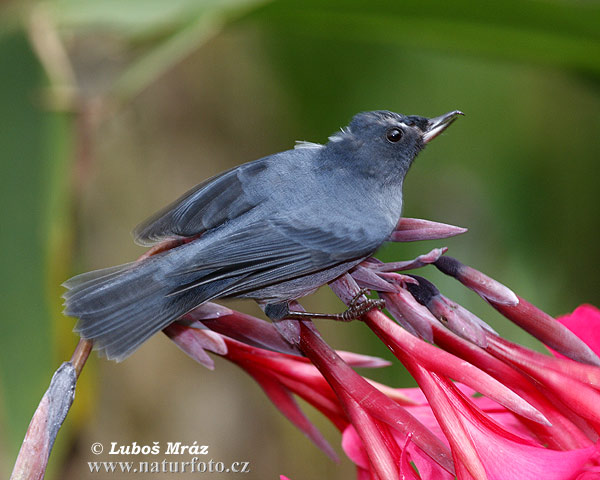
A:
[486,408]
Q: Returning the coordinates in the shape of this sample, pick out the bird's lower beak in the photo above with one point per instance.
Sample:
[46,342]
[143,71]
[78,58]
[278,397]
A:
[438,124]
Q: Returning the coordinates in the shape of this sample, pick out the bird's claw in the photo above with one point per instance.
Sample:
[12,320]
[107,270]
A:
[359,307]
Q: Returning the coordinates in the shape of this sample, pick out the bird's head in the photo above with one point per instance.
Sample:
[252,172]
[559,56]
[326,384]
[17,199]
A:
[386,136]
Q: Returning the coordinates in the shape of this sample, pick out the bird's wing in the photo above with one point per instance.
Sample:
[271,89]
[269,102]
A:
[218,199]
[275,251]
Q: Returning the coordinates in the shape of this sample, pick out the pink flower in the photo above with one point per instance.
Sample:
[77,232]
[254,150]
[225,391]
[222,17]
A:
[486,408]
[491,440]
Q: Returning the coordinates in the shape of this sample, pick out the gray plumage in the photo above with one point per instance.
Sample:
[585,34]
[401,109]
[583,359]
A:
[274,230]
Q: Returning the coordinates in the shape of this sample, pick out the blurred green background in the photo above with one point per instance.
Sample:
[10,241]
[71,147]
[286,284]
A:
[111,109]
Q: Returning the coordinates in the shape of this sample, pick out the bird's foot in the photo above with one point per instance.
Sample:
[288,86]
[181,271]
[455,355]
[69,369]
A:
[359,306]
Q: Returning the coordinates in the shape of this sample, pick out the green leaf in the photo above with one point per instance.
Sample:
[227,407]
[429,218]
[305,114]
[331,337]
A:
[34,144]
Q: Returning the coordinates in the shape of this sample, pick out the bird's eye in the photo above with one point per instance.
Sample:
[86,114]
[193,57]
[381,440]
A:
[394,135]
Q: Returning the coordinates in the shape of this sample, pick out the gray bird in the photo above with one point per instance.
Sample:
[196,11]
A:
[275,230]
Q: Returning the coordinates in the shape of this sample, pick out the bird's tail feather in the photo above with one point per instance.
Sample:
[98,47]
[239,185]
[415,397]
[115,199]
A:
[121,307]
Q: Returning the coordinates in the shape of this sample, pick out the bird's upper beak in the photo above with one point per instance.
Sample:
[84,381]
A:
[438,124]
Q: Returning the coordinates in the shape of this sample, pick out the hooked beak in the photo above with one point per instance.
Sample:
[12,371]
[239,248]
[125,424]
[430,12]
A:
[438,124]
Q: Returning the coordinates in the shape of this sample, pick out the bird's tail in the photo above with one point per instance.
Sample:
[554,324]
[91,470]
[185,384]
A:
[121,307]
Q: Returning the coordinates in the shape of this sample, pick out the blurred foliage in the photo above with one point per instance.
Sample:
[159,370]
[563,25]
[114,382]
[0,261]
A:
[128,104]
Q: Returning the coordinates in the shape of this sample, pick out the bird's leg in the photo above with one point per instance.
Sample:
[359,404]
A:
[356,309]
